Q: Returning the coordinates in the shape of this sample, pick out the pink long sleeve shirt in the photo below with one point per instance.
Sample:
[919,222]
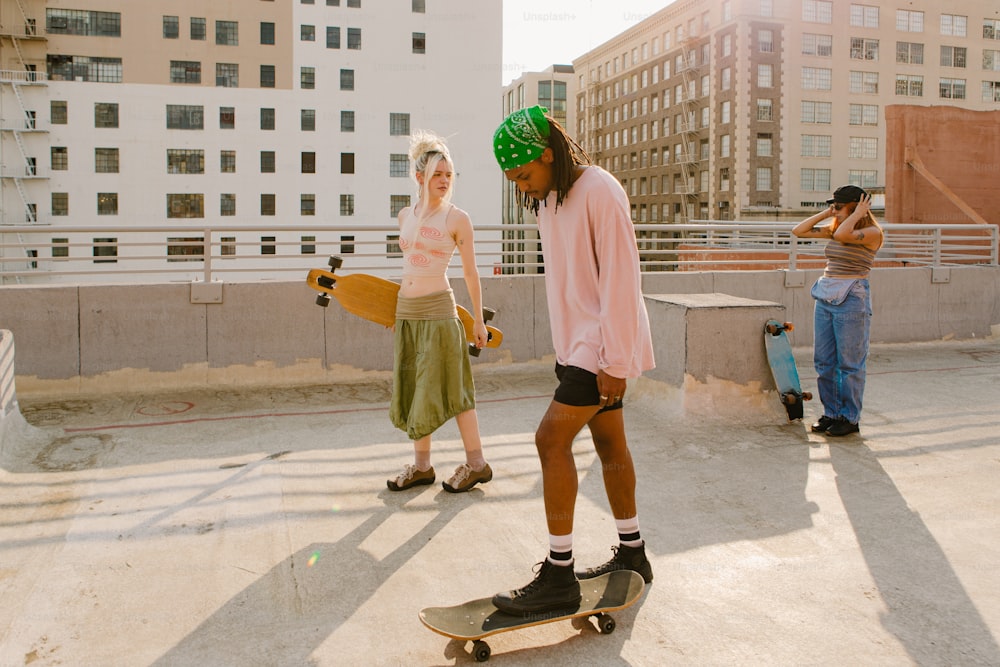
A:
[596,310]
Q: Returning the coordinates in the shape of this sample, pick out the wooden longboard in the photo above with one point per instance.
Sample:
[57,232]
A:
[477,619]
[786,375]
[374,299]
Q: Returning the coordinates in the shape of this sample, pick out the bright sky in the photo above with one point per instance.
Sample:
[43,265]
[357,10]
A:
[539,33]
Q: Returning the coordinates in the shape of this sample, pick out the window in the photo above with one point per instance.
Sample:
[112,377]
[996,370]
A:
[60,247]
[909,85]
[814,180]
[347,245]
[267,245]
[765,76]
[763,180]
[816,145]
[266,119]
[817,78]
[765,41]
[419,42]
[991,61]
[864,82]
[347,79]
[865,178]
[79,22]
[107,249]
[397,203]
[347,163]
[84,68]
[107,203]
[909,21]
[399,165]
[185,71]
[764,145]
[764,109]
[418,6]
[991,91]
[59,156]
[307,78]
[864,49]
[227,75]
[354,3]
[60,203]
[307,120]
[185,205]
[227,118]
[308,162]
[863,114]
[106,160]
[354,38]
[817,112]
[58,112]
[399,124]
[991,28]
[817,45]
[171,27]
[332,37]
[227,162]
[227,204]
[307,33]
[267,76]
[864,16]
[266,32]
[267,162]
[185,161]
[307,204]
[862,148]
[952,89]
[817,11]
[909,53]
[308,245]
[954,25]
[392,248]
[185,248]
[347,207]
[953,56]
[724,115]
[228,246]
[346,121]
[185,117]
[199,31]
[227,33]
[267,204]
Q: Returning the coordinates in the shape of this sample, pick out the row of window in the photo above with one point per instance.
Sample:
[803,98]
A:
[188,205]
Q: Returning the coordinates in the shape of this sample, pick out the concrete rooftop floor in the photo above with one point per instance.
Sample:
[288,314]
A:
[237,528]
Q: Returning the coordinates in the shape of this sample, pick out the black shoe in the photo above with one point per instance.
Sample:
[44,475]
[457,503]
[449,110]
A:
[843,427]
[624,558]
[554,587]
[823,424]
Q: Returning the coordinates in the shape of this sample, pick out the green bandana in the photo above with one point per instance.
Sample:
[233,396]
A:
[521,137]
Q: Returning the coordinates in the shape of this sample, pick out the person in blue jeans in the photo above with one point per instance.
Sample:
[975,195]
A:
[843,311]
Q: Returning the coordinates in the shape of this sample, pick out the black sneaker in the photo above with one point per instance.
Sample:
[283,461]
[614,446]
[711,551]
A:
[624,558]
[554,587]
[823,424]
[843,427]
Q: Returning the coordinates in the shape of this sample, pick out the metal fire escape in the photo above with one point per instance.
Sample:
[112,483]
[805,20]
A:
[689,159]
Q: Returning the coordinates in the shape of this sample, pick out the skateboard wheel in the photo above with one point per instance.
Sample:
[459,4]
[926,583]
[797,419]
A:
[481,650]
[807,396]
[323,300]
[788,326]
[335,261]
[605,624]
[473,350]
[488,314]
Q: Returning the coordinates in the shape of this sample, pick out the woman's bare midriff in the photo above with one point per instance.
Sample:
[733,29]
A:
[416,286]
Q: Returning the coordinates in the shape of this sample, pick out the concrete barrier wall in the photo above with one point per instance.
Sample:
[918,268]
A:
[74,338]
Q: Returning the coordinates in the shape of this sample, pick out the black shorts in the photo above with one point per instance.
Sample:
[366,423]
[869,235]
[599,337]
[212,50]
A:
[578,387]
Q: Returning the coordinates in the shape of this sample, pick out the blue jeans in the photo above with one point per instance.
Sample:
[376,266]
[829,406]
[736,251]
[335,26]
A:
[840,351]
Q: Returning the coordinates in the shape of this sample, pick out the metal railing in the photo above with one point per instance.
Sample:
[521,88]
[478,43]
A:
[39,254]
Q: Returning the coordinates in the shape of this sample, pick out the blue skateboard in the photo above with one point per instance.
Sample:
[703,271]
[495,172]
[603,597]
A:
[786,376]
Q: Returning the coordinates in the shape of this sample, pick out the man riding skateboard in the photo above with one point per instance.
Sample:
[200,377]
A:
[601,335]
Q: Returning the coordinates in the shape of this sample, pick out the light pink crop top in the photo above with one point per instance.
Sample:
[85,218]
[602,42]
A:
[427,246]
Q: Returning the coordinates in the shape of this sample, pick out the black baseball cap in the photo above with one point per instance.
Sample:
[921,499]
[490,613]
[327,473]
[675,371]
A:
[846,194]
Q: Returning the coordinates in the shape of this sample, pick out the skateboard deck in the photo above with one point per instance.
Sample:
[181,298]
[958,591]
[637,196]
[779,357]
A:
[477,619]
[374,299]
[786,376]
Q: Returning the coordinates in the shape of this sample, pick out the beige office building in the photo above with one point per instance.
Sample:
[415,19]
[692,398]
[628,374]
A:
[757,109]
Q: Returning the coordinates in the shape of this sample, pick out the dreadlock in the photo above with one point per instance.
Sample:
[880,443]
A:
[567,155]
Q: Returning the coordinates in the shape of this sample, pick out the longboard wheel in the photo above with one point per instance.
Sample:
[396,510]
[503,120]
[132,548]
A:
[473,350]
[335,262]
[807,396]
[772,329]
[788,326]
[323,300]
[481,650]
[488,314]
[605,624]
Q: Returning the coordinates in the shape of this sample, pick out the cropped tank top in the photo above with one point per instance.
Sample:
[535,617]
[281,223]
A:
[426,244]
[848,260]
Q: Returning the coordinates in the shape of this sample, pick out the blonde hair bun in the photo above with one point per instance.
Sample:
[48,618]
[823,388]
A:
[423,142]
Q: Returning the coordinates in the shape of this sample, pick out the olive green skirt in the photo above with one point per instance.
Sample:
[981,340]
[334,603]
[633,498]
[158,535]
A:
[432,374]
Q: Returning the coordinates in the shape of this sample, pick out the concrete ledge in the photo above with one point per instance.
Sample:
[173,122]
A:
[710,336]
